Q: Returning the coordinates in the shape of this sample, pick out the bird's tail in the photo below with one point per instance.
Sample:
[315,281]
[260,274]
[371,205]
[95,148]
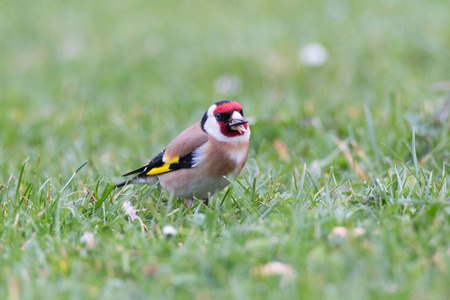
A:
[122,184]
[138,180]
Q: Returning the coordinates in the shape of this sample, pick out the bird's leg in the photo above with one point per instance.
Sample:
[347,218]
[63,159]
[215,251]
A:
[190,203]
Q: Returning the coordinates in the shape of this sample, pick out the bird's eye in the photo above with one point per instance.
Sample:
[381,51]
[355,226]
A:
[218,116]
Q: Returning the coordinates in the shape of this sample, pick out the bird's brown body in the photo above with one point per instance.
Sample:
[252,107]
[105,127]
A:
[207,177]
[196,163]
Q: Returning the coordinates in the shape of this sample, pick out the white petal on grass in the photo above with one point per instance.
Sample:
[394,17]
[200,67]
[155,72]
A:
[286,271]
[130,210]
[88,239]
[358,231]
[169,231]
[338,231]
[342,232]
[275,268]
[228,85]
[313,55]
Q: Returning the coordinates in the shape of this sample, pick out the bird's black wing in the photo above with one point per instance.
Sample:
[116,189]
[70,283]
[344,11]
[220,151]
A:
[157,166]
[156,162]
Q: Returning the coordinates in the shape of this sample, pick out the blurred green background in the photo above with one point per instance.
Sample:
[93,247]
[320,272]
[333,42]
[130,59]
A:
[113,82]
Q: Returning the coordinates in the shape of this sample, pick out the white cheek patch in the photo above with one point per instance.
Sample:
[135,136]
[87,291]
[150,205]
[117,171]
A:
[211,126]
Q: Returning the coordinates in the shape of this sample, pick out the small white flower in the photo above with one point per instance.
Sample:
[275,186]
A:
[275,268]
[338,231]
[313,55]
[88,239]
[130,210]
[358,231]
[169,231]
[228,85]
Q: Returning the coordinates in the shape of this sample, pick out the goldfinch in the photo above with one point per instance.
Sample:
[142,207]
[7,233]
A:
[195,163]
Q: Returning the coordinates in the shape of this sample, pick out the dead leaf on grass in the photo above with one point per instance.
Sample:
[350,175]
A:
[282,149]
[352,162]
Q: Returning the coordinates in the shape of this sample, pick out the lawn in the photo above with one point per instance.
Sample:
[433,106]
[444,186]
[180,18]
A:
[345,195]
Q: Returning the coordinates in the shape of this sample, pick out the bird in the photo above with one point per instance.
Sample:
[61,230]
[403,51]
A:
[196,164]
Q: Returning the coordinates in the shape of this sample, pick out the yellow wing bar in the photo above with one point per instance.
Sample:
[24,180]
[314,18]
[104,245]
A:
[164,168]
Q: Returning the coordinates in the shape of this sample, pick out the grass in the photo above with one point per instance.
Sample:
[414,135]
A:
[347,180]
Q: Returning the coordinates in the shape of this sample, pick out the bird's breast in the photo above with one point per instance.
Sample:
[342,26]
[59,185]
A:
[238,156]
[212,162]
[221,159]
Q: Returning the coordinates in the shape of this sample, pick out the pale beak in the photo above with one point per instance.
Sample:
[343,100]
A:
[237,122]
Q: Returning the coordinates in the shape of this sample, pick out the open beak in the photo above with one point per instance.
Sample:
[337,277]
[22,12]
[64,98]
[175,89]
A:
[237,122]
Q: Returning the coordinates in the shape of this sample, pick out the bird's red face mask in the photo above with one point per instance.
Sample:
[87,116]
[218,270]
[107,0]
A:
[230,118]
